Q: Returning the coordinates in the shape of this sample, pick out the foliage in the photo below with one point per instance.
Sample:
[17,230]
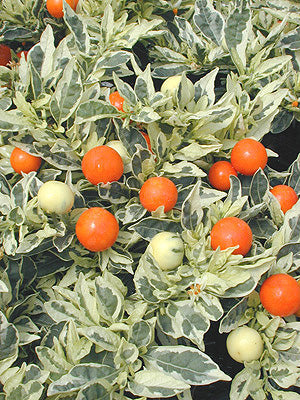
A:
[81,325]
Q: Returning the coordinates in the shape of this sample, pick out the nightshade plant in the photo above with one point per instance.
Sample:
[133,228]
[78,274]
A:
[80,325]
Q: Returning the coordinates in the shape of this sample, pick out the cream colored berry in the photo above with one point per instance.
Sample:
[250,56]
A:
[167,249]
[244,344]
[55,197]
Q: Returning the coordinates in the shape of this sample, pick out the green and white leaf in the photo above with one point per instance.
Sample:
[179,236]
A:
[184,363]
[156,384]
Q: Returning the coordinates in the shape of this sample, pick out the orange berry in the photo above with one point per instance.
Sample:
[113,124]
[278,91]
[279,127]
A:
[219,174]
[21,161]
[230,232]
[97,229]
[248,155]
[158,191]
[280,295]
[116,100]
[102,164]
[5,54]
[286,196]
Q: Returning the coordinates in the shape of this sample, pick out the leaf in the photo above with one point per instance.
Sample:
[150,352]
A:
[182,168]
[231,320]
[133,213]
[41,55]
[81,375]
[68,92]
[282,121]
[102,337]
[30,391]
[192,209]
[262,228]
[284,374]
[9,342]
[270,66]
[239,389]
[127,352]
[112,60]
[183,320]
[52,361]
[5,187]
[171,69]
[187,34]
[125,90]
[20,191]
[60,310]
[9,242]
[259,187]
[292,249]
[283,394]
[130,137]
[263,112]
[291,222]
[294,178]
[5,103]
[86,301]
[93,110]
[107,24]
[36,80]
[196,151]
[63,242]
[67,161]
[155,384]
[12,120]
[209,21]
[149,227]
[205,86]
[109,300]
[146,115]
[184,363]
[77,28]
[291,40]
[33,240]
[94,391]
[141,333]
[3,287]
[115,192]
[185,92]
[236,33]
[150,282]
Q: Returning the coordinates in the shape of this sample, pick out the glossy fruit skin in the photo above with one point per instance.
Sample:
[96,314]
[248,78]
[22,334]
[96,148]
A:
[102,164]
[219,174]
[116,100]
[55,197]
[158,191]
[244,344]
[248,155]
[167,249]
[24,162]
[280,295]
[5,54]
[97,229]
[55,7]
[286,196]
[229,232]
